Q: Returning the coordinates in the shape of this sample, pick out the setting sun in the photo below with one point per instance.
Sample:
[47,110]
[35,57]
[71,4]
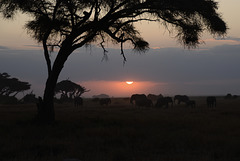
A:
[129,82]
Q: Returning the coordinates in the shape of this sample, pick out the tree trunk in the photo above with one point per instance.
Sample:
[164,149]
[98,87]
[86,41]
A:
[46,113]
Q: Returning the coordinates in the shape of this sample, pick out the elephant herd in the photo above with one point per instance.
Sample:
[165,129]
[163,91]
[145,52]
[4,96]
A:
[141,100]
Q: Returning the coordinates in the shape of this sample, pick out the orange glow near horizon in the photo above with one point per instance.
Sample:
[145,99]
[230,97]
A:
[120,88]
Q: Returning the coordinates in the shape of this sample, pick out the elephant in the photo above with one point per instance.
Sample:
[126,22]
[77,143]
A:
[181,98]
[211,101]
[140,100]
[164,101]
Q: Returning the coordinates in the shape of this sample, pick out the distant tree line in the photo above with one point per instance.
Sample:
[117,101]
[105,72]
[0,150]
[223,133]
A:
[10,87]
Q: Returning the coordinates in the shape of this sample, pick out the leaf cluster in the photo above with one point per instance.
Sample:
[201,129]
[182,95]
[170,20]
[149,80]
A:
[190,18]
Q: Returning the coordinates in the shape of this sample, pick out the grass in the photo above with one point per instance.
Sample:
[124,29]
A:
[121,132]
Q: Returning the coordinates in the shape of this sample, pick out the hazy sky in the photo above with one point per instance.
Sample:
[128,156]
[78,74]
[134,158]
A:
[167,68]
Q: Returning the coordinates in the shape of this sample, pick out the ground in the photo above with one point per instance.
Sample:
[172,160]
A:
[121,132]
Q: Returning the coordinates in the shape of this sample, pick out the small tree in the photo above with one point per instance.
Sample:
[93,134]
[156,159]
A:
[29,98]
[69,89]
[71,24]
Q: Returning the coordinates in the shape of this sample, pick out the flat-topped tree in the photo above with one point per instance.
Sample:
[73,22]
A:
[71,24]
[69,89]
[10,87]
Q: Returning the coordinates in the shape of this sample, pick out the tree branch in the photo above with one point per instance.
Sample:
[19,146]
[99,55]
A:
[46,55]
[86,40]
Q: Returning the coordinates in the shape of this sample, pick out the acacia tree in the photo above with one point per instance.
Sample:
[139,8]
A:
[69,89]
[10,87]
[71,24]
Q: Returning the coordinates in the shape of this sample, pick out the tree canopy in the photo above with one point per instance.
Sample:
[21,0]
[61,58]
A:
[11,86]
[84,21]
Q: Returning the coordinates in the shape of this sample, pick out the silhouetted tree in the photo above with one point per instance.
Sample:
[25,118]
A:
[69,90]
[71,24]
[11,86]
[29,98]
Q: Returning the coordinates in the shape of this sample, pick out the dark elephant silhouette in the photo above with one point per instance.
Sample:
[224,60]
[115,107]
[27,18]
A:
[140,100]
[181,98]
[164,101]
[211,101]
[135,97]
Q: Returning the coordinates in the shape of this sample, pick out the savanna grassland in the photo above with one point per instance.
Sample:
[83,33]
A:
[121,132]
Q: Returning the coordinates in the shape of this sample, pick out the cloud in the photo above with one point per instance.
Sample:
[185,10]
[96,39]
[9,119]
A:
[219,41]
[31,47]
[175,67]
[3,47]
[229,38]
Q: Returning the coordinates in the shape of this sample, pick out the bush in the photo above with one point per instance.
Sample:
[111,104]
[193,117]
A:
[29,98]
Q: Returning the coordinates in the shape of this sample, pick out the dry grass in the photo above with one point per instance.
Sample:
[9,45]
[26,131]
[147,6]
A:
[121,132]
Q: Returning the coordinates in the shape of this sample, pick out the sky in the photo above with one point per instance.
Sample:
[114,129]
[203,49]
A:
[167,68]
